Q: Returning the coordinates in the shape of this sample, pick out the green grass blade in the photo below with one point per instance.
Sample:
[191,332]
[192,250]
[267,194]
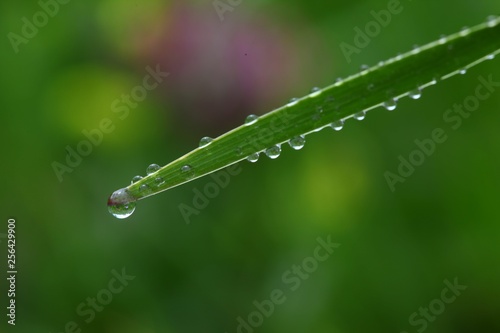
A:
[381,85]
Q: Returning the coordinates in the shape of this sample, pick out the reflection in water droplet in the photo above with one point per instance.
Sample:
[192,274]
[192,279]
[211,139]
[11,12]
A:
[253,158]
[415,94]
[360,115]
[463,71]
[292,102]
[251,119]
[122,211]
[144,188]
[338,125]
[120,204]
[187,171]
[490,56]
[205,141]
[152,168]
[315,92]
[136,179]
[159,181]
[297,142]
[390,104]
[273,152]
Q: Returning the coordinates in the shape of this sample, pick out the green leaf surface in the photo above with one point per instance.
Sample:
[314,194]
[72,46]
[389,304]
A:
[381,85]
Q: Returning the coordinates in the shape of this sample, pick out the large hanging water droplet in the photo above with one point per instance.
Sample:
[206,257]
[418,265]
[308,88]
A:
[359,116]
[297,142]
[315,92]
[253,158]
[338,125]
[152,168]
[187,171]
[251,119]
[273,152]
[136,179]
[293,101]
[121,204]
[205,141]
[415,94]
[122,211]
[390,105]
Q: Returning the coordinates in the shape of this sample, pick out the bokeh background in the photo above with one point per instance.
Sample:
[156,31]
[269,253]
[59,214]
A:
[396,249]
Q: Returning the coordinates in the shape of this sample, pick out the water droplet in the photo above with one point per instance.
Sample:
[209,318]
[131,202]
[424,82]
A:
[442,39]
[317,115]
[251,119]
[415,94]
[338,125]
[188,171]
[205,141]
[152,168]
[120,204]
[490,57]
[492,21]
[315,92]
[159,181]
[416,49]
[463,71]
[297,142]
[144,188]
[136,179]
[464,31]
[273,152]
[364,67]
[253,158]
[238,151]
[338,80]
[399,56]
[360,115]
[122,211]
[390,105]
[293,101]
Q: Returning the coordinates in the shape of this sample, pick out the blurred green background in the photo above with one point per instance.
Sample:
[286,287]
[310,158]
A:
[396,249]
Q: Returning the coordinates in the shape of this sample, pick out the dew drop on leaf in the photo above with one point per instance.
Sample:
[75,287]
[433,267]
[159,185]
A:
[338,125]
[297,142]
[187,171]
[152,168]
[136,179]
[251,119]
[273,152]
[360,115]
[253,158]
[390,105]
[415,94]
[205,141]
